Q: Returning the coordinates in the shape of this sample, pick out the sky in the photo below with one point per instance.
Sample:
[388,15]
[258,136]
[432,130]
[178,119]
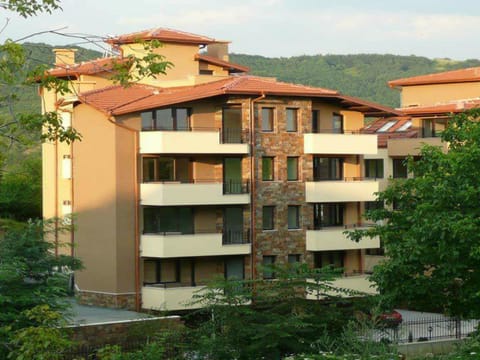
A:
[274,28]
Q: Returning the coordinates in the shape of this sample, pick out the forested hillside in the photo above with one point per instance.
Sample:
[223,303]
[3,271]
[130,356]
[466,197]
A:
[361,75]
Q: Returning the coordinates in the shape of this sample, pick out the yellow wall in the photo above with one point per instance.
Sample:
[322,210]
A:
[434,94]
[104,203]
[181,55]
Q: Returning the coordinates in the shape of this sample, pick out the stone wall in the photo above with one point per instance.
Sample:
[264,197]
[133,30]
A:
[122,331]
[116,301]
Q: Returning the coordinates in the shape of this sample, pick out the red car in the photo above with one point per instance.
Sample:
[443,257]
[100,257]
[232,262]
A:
[389,319]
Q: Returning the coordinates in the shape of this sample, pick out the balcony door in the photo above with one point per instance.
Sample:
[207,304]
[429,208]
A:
[232,125]
[232,175]
[233,225]
[234,268]
[337,124]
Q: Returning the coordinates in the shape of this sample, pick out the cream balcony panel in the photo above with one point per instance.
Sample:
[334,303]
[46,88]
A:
[341,191]
[356,283]
[171,245]
[162,194]
[335,239]
[172,298]
[187,142]
[340,144]
[405,147]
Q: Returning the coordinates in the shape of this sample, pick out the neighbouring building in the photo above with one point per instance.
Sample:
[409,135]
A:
[205,171]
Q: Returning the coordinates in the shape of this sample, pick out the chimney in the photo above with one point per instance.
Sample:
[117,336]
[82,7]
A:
[64,56]
[218,50]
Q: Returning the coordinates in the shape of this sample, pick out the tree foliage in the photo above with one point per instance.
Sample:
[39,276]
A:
[30,275]
[431,226]
[267,319]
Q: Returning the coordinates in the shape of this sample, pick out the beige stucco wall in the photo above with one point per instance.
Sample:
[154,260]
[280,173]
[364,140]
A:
[434,94]
[352,120]
[181,55]
[104,203]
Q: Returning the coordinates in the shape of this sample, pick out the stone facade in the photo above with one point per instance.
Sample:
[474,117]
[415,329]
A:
[116,301]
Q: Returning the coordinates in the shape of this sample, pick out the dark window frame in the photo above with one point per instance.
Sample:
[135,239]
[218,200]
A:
[269,274]
[271,176]
[270,225]
[270,126]
[291,127]
[155,126]
[297,224]
[331,168]
[397,165]
[378,170]
[296,159]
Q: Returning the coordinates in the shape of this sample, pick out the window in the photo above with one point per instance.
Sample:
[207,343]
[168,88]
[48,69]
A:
[161,271]
[292,120]
[166,169]
[292,168]
[374,168]
[329,258]
[337,124]
[294,258]
[293,217]
[268,262]
[387,126]
[315,122]
[168,219]
[267,119]
[373,205]
[433,127]
[267,168]
[327,169]
[166,119]
[268,214]
[399,168]
[405,127]
[327,214]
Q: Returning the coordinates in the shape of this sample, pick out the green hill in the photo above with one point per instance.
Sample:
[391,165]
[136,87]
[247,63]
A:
[361,75]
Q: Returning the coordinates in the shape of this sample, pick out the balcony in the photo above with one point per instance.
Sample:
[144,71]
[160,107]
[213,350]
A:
[412,146]
[328,239]
[171,245]
[346,144]
[358,283]
[347,190]
[194,193]
[161,297]
[194,141]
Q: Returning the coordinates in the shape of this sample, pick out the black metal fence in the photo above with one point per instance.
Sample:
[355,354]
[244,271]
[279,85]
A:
[426,329]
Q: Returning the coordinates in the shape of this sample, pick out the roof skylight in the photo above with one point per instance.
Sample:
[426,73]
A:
[387,126]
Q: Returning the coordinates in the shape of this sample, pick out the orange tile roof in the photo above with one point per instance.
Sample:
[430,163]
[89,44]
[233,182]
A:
[393,132]
[162,34]
[443,108]
[117,100]
[87,68]
[225,64]
[454,76]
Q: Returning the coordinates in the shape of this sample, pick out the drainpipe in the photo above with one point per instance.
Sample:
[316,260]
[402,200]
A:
[137,201]
[252,184]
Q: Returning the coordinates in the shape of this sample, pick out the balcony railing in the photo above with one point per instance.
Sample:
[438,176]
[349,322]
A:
[236,187]
[339,226]
[236,237]
[335,131]
[226,135]
[228,236]
[346,178]
[230,187]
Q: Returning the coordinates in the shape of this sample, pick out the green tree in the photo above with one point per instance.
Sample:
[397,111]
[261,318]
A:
[21,190]
[30,275]
[431,227]
[267,319]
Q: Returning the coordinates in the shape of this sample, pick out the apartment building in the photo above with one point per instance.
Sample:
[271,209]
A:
[205,171]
